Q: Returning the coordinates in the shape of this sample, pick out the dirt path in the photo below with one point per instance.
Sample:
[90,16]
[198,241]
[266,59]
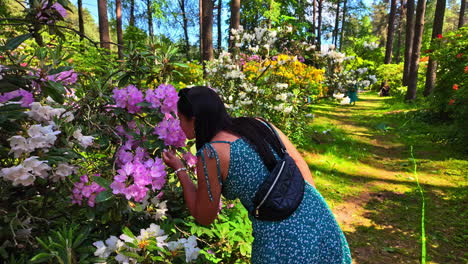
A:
[380,208]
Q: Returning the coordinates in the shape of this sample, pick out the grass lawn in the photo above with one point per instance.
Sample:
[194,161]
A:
[362,163]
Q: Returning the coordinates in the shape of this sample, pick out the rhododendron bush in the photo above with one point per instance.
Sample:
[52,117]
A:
[89,152]
[263,78]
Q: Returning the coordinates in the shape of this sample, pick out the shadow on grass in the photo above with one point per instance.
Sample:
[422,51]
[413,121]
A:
[394,236]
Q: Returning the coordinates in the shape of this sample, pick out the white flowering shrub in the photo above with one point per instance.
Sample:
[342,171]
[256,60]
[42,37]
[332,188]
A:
[152,245]
[259,80]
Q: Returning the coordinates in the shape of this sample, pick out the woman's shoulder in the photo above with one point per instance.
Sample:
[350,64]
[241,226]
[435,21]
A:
[224,137]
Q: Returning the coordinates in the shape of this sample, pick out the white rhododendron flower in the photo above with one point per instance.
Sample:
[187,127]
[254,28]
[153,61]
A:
[18,175]
[288,109]
[37,167]
[44,113]
[191,249]
[282,85]
[282,97]
[161,208]
[85,141]
[42,136]
[62,170]
[19,145]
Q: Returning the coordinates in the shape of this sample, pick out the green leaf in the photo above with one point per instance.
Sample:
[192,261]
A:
[15,42]
[103,182]
[104,196]
[55,91]
[128,232]
[41,257]
[60,69]
[132,255]
[7,86]
[124,80]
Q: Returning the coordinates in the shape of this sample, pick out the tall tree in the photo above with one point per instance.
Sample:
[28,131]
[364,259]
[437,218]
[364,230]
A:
[314,11]
[118,18]
[408,40]
[200,17]
[103,24]
[345,9]
[337,23]
[80,19]
[132,13]
[417,41]
[185,27]
[319,24]
[220,5]
[436,30]
[149,12]
[401,14]
[235,19]
[207,30]
[461,18]
[390,33]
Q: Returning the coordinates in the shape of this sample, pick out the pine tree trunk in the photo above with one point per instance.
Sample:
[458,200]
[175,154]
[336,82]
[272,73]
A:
[319,29]
[461,18]
[200,18]
[343,24]
[235,20]
[337,22]
[103,24]
[118,16]
[185,27]
[417,41]
[220,5]
[390,33]
[314,11]
[400,26]
[436,29]
[408,40]
[80,19]
[150,18]
[132,13]
[207,30]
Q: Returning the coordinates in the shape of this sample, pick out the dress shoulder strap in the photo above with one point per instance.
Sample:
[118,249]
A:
[211,153]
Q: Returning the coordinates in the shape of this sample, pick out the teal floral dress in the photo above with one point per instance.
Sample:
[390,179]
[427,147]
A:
[310,235]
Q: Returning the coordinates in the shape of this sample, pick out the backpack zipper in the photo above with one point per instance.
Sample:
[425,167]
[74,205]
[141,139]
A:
[271,188]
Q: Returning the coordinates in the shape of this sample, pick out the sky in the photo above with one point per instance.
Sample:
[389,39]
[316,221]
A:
[91,5]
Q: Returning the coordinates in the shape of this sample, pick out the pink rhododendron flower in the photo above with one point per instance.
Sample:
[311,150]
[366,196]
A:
[135,178]
[165,97]
[52,13]
[128,97]
[170,131]
[26,100]
[86,189]
[65,77]
[190,159]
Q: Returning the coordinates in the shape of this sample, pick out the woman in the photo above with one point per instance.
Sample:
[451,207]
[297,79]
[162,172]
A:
[234,157]
[352,94]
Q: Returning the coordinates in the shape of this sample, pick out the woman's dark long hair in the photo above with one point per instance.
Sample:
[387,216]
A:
[211,117]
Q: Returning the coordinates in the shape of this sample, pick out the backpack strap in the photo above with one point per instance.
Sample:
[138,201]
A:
[277,136]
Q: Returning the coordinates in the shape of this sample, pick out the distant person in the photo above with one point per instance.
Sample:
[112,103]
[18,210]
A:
[352,94]
[385,91]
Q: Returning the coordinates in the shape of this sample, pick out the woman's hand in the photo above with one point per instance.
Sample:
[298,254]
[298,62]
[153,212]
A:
[171,160]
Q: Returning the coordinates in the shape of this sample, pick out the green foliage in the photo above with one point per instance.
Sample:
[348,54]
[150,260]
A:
[66,246]
[229,237]
[450,96]
[391,73]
